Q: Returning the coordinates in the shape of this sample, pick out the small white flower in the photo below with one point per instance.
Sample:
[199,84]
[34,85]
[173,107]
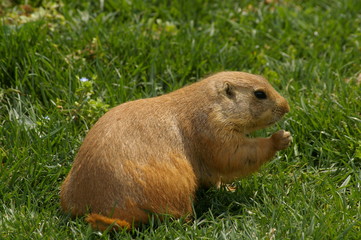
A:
[47,118]
[84,79]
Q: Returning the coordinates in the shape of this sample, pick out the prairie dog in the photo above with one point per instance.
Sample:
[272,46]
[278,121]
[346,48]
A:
[151,155]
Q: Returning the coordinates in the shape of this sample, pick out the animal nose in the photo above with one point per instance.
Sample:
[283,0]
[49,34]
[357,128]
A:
[285,106]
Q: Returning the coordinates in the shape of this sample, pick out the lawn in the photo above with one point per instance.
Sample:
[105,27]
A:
[65,63]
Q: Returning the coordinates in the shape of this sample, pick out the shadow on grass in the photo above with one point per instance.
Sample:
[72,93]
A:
[210,205]
[223,201]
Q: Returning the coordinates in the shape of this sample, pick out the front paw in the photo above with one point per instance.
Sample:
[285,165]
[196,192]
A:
[281,139]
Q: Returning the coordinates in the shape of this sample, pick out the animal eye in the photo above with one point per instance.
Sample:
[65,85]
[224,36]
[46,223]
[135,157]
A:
[260,94]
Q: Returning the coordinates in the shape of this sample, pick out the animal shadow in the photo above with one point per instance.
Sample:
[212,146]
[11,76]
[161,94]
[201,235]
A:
[228,199]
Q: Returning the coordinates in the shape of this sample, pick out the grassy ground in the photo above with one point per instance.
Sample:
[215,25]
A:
[309,50]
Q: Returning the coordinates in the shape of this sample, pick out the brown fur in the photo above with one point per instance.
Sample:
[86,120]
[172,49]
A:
[150,155]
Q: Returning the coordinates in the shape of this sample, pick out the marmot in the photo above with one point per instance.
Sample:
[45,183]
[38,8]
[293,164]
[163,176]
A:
[151,155]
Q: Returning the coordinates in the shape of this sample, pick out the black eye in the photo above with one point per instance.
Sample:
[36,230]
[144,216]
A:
[260,94]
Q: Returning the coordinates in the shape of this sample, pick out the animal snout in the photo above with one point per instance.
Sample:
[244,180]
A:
[286,107]
[282,107]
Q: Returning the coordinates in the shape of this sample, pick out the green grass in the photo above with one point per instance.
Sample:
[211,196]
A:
[309,50]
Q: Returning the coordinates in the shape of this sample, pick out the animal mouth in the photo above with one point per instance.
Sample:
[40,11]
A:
[273,121]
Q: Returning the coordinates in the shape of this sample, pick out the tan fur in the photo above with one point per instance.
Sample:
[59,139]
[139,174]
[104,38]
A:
[151,155]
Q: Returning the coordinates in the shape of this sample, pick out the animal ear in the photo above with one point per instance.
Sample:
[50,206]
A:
[228,89]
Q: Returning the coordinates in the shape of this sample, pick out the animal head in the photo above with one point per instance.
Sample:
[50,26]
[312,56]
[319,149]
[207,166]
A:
[246,102]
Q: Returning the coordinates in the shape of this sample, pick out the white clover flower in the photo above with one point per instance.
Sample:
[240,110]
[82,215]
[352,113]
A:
[83,79]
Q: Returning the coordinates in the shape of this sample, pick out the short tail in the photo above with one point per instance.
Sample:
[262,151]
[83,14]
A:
[103,223]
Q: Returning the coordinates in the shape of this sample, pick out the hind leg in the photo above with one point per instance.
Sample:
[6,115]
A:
[162,186]
[169,187]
